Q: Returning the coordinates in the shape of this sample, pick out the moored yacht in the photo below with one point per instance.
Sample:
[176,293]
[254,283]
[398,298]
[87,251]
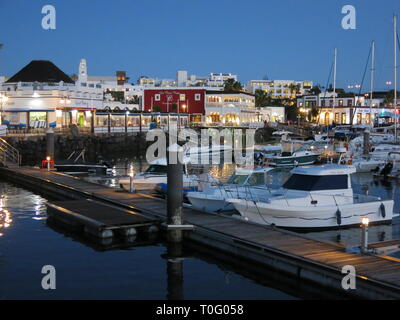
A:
[213,199]
[293,159]
[316,197]
[155,174]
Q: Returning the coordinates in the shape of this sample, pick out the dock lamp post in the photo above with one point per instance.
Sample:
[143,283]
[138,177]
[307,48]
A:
[48,163]
[131,181]
[364,238]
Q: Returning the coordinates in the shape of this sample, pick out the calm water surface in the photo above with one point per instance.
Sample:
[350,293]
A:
[87,271]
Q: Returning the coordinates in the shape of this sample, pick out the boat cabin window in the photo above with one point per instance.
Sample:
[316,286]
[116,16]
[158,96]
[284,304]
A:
[315,183]
[156,168]
[239,179]
[256,179]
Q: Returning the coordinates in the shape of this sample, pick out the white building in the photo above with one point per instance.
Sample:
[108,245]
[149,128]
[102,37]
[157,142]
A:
[358,109]
[109,84]
[218,79]
[272,114]
[40,95]
[280,89]
[230,108]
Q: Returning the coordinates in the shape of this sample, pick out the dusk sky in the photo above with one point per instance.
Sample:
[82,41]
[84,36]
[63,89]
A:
[281,39]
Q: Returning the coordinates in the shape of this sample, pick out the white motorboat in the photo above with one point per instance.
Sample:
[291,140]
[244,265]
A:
[293,159]
[212,199]
[203,154]
[155,174]
[315,197]
[382,151]
[365,163]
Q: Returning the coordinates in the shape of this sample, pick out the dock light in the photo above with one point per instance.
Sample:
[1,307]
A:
[48,163]
[131,180]
[364,237]
[326,147]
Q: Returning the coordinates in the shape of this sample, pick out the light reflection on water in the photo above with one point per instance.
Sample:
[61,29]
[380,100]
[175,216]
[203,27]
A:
[86,271]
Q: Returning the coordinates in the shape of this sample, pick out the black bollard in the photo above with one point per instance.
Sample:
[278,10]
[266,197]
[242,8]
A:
[50,144]
[174,193]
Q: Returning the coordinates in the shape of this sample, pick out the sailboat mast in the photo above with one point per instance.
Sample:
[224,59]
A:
[372,80]
[334,78]
[395,75]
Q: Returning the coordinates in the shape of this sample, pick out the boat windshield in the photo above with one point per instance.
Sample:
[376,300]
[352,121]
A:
[315,183]
[256,179]
[156,168]
[239,179]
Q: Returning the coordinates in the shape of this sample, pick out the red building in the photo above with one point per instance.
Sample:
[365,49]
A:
[185,100]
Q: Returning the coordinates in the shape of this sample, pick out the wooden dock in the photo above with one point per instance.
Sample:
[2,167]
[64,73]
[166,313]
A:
[98,219]
[311,260]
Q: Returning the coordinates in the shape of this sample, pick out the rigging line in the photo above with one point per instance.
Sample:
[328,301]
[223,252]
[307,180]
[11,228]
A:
[361,85]
[398,41]
[327,83]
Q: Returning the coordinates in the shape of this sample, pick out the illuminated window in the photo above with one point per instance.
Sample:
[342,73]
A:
[344,120]
[182,97]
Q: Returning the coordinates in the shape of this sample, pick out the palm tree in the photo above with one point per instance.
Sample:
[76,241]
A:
[262,98]
[314,112]
[389,98]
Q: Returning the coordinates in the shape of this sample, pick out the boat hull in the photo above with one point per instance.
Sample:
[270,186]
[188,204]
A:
[81,168]
[310,217]
[150,182]
[293,161]
[209,203]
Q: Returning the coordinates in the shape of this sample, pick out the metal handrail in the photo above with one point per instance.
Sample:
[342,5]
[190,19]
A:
[8,152]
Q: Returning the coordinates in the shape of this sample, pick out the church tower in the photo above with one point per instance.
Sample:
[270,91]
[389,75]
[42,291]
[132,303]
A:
[82,71]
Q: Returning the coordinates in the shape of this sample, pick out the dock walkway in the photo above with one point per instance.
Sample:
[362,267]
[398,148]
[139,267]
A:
[308,259]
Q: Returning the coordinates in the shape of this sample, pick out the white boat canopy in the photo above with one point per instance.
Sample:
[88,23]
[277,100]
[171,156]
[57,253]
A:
[325,170]
[281,133]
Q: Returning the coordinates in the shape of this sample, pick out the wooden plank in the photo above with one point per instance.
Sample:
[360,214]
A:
[104,214]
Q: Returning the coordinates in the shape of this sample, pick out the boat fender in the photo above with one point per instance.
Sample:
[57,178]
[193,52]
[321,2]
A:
[338,217]
[382,209]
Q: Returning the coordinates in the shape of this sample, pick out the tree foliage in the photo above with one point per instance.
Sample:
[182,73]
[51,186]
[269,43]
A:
[230,85]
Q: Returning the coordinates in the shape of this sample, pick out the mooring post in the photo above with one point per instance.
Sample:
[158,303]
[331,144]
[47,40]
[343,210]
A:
[174,193]
[50,144]
[366,142]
